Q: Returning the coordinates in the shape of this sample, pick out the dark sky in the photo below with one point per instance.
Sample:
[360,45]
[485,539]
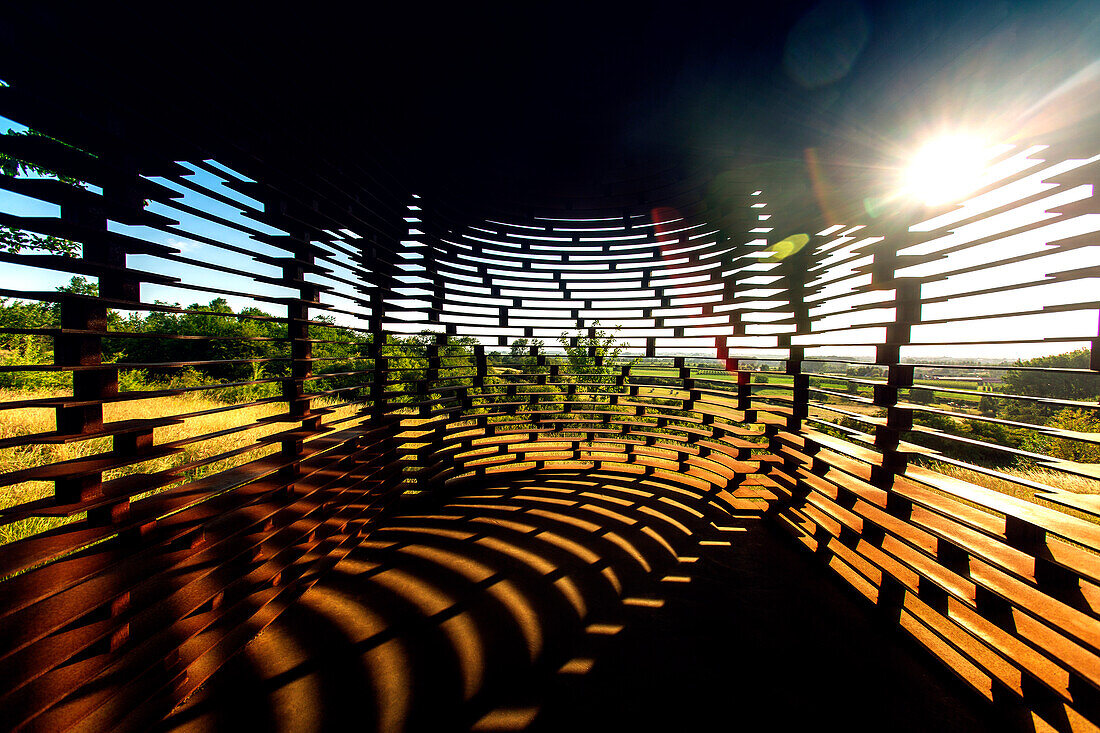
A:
[498,100]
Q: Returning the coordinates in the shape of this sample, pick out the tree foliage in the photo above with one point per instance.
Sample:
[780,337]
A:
[212,344]
[920,396]
[16,241]
[28,315]
[520,354]
[1078,421]
[991,433]
[594,356]
[408,362]
[1054,384]
[12,166]
[205,333]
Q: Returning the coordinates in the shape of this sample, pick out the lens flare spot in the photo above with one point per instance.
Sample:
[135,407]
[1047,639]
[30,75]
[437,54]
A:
[666,223]
[784,248]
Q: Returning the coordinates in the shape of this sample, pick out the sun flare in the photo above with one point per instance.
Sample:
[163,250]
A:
[946,169]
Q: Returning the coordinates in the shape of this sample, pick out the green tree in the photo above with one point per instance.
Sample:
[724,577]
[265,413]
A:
[29,315]
[991,433]
[12,166]
[21,320]
[340,353]
[80,286]
[520,355]
[1060,385]
[594,357]
[408,364]
[920,396]
[1078,421]
[23,315]
[210,332]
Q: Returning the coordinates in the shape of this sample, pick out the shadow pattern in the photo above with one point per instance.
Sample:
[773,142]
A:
[573,600]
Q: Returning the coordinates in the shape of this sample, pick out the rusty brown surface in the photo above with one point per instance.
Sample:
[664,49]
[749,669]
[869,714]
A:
[128,608]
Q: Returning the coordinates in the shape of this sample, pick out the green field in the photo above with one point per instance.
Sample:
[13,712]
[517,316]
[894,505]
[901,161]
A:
[779,379]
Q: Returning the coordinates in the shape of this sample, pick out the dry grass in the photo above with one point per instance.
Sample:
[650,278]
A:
[29,421]
[1055,480]
[220,417]
[1062,481]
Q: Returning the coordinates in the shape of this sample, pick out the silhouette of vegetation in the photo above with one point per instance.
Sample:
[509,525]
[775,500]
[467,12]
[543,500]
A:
[16,241]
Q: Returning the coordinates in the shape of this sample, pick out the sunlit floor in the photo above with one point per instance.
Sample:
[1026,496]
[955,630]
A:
[579,601]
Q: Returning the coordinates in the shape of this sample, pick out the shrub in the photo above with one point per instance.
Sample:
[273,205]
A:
[1073,450]
[594,358]
[920,396]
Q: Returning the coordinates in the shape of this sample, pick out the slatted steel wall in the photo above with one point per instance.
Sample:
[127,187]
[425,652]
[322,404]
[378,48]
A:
[135,571]
[1002,588]
[182,528]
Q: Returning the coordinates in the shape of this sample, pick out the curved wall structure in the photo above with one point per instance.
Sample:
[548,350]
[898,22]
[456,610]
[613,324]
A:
[352,342]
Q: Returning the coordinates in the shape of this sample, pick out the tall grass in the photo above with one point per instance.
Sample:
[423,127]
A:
[1057,481]
[217,417]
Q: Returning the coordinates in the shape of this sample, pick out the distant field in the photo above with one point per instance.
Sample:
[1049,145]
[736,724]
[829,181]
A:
[774,378]
[822,382]
[670,372]
[818,381]
[946,383]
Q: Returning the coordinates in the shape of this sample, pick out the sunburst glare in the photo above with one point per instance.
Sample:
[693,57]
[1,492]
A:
[946,169]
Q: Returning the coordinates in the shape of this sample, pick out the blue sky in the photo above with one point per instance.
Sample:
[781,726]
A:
[186,238]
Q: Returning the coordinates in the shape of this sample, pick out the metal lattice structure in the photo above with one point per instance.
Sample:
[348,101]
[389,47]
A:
[161,538]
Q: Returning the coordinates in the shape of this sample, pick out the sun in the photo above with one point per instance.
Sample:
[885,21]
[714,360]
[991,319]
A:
[945,170]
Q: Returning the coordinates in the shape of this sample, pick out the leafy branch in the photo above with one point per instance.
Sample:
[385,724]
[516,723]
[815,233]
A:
[11,166]
[14,241]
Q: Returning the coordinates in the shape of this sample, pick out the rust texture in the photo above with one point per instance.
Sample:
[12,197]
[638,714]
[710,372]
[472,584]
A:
[161,569]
